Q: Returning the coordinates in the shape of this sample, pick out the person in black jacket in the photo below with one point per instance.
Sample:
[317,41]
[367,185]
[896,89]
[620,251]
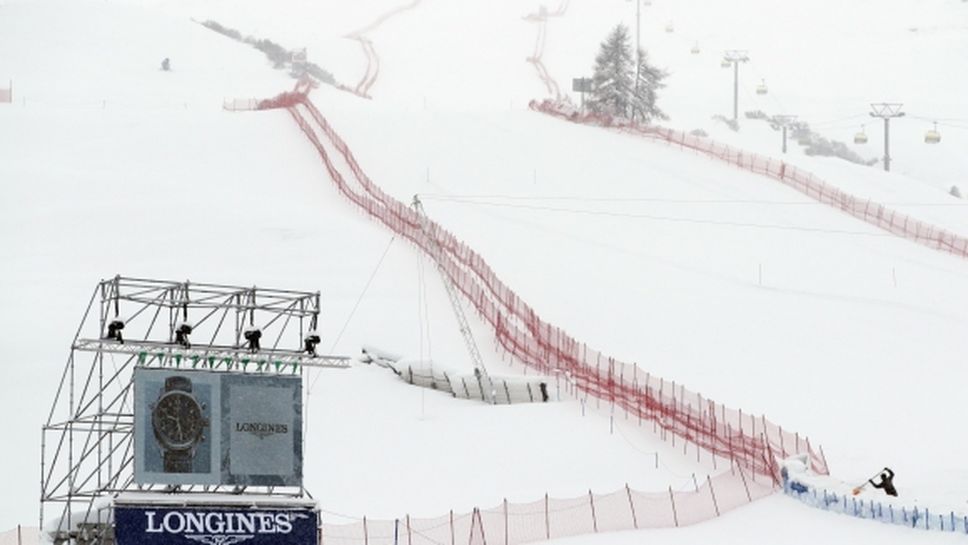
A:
[887,482]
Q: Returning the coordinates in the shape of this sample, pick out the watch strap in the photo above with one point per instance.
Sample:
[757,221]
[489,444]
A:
[178,383]
[178,461]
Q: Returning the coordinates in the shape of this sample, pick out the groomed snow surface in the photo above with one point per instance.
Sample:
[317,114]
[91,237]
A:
[723,281]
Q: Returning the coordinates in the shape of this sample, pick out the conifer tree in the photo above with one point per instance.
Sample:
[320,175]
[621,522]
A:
[616,91]
[645,94]
[614,75]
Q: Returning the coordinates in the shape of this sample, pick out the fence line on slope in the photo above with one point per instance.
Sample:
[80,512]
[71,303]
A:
[551,518]
[369,78]
[537,56]
[872,213]
[901,515]
[748,441]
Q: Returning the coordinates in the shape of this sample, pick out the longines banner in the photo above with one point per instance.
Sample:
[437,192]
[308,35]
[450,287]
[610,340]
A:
[214,526]
[200,427]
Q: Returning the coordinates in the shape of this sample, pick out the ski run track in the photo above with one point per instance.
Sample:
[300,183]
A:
[753,445]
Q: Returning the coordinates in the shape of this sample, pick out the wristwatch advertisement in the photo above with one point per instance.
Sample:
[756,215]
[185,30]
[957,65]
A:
[176,436]
[195,427]
[179,424]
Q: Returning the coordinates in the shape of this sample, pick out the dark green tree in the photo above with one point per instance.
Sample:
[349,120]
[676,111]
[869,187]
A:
[614,75]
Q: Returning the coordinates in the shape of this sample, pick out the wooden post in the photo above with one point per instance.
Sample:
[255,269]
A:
[366,535]
[409,532]
[591,501]
[453,541]
[635,520]
[712,492]
[672,500]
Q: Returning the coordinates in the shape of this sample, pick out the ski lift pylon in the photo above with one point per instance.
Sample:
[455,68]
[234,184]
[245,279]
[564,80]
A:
[932,136]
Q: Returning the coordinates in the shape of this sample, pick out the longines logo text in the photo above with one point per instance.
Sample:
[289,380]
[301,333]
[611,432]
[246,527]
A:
[261,429]
[219,528]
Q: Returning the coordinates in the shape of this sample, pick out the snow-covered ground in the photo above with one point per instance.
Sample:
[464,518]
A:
[727,282]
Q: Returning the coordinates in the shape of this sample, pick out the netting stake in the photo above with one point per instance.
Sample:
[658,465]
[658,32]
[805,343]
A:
[672,500]
[635,520]
[746,486]
[547,519]
[591,502]
[712,493]
[505,521]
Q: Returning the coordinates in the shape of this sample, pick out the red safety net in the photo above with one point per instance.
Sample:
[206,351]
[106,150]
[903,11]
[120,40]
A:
[541,17]
[550,518]
[362,88]
[752,443]
[806,183]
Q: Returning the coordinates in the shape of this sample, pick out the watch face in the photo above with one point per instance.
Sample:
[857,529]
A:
[177,420]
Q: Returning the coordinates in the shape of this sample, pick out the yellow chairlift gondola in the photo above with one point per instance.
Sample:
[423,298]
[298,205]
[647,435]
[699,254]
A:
[695,49]
[726,63]
[932,136]
[861,137]
[762,89]
[670,28]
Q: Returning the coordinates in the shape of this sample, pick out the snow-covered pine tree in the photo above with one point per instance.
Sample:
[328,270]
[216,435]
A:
[644,95]
[614,75]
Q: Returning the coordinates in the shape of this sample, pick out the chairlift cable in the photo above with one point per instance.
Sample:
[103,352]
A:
[675,219]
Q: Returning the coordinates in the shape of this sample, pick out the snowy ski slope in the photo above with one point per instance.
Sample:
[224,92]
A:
[733,285]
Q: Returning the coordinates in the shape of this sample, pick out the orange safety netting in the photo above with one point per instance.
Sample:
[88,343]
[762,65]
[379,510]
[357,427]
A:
[753,443]
[806,183]
[551,518]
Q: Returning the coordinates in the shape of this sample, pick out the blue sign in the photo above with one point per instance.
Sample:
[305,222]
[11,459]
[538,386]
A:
[144,525]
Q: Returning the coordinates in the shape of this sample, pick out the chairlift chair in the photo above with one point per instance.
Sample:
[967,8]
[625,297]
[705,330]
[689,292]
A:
[695,49]
[932,136]
[726,63]
[860,137]
[762,89]
[670,28]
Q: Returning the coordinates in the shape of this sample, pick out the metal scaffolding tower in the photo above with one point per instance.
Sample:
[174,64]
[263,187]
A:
[87,442]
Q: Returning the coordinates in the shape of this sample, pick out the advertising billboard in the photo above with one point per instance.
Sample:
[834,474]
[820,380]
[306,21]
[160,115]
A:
[147,525]
[207,428]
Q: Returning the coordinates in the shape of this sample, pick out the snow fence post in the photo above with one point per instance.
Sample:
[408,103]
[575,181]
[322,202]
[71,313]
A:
[635,520]
[505,521]
[712,493]
[547,519]
[672,500]
[396,531]
[453,540]
[366,535]
[591,502]
[409,533]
